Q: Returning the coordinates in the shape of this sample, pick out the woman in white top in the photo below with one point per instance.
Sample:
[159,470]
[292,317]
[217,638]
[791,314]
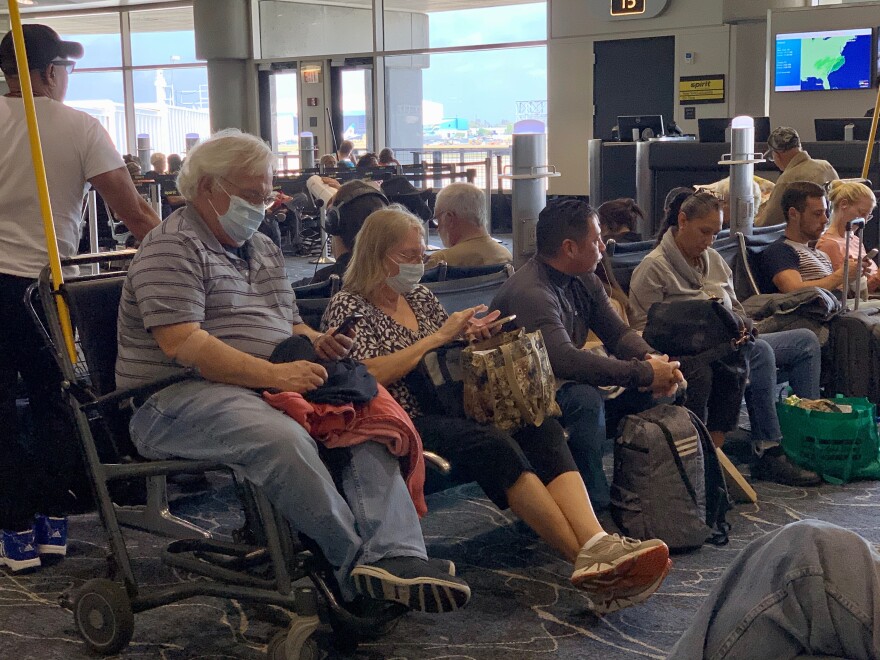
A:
[684,266]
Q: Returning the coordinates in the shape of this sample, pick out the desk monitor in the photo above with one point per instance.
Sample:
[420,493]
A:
[714,129]
[648,126]
[833,129]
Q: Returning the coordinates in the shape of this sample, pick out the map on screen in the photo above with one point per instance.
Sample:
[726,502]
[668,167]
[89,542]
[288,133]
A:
[838,59]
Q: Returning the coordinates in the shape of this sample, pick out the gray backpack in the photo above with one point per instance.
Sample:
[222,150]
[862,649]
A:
[668,483]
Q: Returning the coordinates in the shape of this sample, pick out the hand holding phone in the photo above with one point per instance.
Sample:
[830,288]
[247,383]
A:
[870,256]
[348,324]
[499,322]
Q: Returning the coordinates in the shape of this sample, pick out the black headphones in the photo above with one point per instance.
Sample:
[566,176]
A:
[333,220]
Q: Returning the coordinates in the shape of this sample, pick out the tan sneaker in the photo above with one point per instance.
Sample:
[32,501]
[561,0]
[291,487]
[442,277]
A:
[618,571]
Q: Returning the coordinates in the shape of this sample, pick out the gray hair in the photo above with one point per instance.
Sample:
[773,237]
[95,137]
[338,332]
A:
[382,230]
[224,153]
[465,200]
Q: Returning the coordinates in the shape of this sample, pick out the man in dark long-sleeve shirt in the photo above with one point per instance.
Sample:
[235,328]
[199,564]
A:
[558,293]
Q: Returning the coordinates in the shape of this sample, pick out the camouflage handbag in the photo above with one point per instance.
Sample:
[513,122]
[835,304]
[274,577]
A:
[508,381]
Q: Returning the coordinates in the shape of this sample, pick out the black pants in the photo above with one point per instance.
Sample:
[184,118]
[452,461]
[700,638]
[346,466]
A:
[33,477]
[493,458]
[715,390]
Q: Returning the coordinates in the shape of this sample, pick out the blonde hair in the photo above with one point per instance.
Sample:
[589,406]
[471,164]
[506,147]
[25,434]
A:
[849,191]
[382,230]
[224,153]
[157,158]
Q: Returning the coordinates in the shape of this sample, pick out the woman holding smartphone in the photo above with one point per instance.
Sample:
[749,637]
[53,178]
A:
[529,470]
[850,200]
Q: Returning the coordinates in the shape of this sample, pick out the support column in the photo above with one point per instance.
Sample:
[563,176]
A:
[224,38]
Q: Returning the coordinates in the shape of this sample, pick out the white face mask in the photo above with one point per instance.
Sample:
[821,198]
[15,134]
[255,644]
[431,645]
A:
[241,220]
[407,279]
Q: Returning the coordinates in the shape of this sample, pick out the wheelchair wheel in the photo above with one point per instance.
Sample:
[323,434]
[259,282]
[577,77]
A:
[277,649]
[102,614]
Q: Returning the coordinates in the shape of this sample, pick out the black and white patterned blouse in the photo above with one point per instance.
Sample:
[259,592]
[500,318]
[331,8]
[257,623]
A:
[378,334]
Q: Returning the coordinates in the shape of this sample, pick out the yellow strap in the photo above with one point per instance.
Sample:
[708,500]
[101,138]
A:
[873,136]
[27,95]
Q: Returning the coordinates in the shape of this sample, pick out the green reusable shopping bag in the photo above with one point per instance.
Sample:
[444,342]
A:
[840,446]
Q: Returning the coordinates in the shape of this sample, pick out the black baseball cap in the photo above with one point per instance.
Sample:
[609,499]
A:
[43,46]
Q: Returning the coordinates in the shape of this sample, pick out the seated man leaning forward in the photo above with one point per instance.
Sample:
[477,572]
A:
[206,291]
[557,292]
[460,211]
[792,263]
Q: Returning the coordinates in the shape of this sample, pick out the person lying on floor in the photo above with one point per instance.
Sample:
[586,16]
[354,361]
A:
[206,291]
[684,266]
[530,469]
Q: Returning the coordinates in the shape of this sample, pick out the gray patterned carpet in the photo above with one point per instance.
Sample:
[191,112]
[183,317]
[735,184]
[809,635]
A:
[523,606]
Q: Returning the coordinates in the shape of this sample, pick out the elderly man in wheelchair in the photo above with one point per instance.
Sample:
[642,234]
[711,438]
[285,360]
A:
[206,292]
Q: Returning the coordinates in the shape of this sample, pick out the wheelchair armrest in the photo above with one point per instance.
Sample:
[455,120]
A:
[437,462]
[142,391]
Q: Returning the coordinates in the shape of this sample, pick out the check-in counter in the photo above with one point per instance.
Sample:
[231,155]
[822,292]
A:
[661,166]
[612,170]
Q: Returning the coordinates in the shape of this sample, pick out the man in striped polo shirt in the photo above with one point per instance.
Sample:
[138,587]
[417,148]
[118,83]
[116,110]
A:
[206,290]
[792,263]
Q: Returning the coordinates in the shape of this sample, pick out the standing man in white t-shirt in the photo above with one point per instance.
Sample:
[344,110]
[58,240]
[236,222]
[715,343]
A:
[77,152]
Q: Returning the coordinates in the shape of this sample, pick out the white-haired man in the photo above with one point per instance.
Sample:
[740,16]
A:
[206,290]
[460,211]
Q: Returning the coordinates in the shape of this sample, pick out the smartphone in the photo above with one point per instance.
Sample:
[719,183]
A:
[873,253]
[501,321]
[348,324]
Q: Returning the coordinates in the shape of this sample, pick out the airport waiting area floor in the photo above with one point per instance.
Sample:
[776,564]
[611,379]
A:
[523,605]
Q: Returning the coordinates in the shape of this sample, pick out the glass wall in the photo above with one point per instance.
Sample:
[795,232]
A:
[161,90]
[463,107]
[417,24]
[285,119]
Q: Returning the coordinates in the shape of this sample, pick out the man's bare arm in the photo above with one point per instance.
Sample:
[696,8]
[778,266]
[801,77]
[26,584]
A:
[117,189]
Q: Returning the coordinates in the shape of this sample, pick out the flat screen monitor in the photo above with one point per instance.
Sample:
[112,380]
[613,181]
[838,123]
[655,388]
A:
[635,128]
[714,129]
[831,59]
[835,129]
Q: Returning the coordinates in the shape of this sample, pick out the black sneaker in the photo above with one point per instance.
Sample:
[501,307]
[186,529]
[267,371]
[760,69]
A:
[775,466]
[418,584]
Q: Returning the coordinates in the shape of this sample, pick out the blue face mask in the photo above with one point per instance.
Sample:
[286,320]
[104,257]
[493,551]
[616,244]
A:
[241,220]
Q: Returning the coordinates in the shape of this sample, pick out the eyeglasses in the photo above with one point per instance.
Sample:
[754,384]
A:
[68,65]
[412,258]
[254,198]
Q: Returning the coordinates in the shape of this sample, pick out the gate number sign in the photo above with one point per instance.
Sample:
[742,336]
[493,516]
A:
[627,7]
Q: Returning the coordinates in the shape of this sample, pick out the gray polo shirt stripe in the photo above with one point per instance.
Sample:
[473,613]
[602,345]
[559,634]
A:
[182,274]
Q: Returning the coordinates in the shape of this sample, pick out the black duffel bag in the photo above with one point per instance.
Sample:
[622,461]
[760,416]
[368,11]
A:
[713,345]
[697,328]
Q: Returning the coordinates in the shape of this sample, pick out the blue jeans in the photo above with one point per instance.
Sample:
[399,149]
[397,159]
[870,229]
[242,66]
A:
[797,353]
[234,426]
[585,416]
[799,360]
[807,588]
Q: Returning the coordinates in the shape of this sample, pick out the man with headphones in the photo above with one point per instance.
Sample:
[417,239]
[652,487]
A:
[345,217]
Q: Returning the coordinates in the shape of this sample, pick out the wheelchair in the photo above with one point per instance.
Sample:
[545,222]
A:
[263,561]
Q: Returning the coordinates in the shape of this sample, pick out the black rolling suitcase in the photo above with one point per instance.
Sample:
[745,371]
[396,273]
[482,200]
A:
[854,345]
